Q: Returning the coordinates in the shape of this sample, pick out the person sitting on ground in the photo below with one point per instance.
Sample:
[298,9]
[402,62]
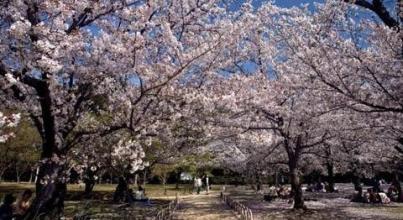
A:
[319,187]
[310,187]
[373,197]
[365,198]
[141,197]
[6,209]
[283,192]
[23,203]
[383,198]
[393,193]
[271,194]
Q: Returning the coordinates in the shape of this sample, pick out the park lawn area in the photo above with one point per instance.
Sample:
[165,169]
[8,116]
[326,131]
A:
[152,190]
[100,204]
[335,206]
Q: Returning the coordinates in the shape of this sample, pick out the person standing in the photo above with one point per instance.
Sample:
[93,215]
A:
[207,185]
[198,184]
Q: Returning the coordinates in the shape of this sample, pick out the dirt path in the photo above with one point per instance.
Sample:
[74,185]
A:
[203,207]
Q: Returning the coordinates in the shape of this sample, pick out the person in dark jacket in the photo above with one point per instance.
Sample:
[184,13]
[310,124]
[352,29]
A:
[6,210]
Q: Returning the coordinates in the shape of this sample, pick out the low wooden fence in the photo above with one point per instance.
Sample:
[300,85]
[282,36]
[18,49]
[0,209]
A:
[164,213]
[245,212]
[167,212]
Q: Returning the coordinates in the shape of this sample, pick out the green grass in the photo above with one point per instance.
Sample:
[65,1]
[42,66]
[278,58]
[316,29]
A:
[152,190]
[101,203]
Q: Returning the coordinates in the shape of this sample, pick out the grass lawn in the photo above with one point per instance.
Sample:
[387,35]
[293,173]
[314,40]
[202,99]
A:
[100,204]
[152,190]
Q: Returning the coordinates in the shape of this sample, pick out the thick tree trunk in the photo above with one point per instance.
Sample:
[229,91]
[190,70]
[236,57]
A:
[50,193]
[296,189]
[293,157]
[330,173]
[89,186]
[50,185]
[121,190]
[358,188]
[89,181]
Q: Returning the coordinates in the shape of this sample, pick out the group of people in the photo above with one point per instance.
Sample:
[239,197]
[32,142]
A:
[320,187]
[199,184]
[124,194]
[373,196]
[13,208]
[277,192]
[377,194]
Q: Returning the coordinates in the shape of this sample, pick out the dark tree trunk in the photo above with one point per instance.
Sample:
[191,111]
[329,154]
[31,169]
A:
[50,193]
[178,178]
[358,188]
[293,157]
[89,186]
[2,172]
[258,182]
[89,181]
[30,176]
[276,179]
[330,172]
[121,190]
[50,185]
[296,189]
[396,184]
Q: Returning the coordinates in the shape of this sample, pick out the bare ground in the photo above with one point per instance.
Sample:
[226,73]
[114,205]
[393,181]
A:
[203,207]
[320,206]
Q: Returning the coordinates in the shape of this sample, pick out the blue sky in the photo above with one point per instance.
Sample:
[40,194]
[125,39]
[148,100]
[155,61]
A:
[290,3]
[282,3]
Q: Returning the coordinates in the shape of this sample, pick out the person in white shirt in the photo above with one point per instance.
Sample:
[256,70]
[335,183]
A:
[198,184]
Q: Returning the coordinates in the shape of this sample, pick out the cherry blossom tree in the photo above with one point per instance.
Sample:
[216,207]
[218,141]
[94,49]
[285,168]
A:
[301,90]
[65,62]
[352,64]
